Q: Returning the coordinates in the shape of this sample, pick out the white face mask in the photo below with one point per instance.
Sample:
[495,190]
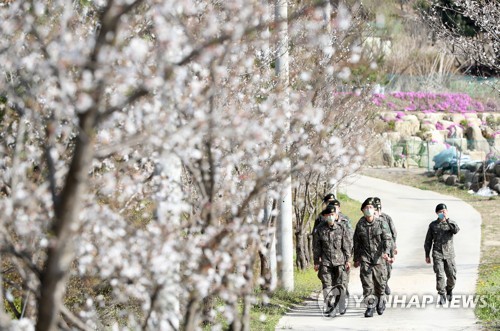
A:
[368,212]
[330,219]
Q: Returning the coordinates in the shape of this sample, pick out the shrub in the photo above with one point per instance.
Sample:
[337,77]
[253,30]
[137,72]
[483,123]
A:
[428,102]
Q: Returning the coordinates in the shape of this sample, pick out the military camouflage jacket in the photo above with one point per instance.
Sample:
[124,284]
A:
[440,238]
[391,225]
[346,222]
[388,219]
[331,245]
[371,241]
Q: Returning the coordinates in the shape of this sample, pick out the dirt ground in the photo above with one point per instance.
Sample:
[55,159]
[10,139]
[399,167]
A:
[488,207]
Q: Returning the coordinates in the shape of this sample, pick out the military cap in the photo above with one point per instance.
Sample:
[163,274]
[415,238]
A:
[440,206]
[368,201]
[328,211]
[328,197]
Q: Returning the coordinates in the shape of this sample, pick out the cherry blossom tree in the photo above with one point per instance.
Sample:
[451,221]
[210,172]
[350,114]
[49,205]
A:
[469,30]
[140,143]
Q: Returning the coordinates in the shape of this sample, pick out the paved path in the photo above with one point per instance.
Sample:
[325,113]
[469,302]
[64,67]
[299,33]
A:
[412,210]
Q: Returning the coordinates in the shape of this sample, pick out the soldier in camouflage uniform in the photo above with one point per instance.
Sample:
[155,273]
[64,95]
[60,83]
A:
[440,238]
[394,234]
[372,245]
[332,251]
[346,222]
[326,201]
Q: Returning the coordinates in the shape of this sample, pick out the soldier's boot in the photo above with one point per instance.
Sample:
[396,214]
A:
[328,301]
[449,295]
[342,300]
[370,307]
[334,297]
[387,289]
[442,300]
[381,306]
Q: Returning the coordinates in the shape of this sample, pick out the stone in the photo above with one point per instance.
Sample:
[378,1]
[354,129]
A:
[459,143]
[393,137]
[388,116]
[477,156]
[451,180]
[409,126]
[436,136]
[496,143]
[476,140]
[475,187]
[494,181]
[455,131]
[465,175]
[446,124]
[457,118]
[427,127]
[474,122]
[497,188]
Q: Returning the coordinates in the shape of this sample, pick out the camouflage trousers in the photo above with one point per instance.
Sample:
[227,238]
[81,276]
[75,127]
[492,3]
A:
[446,274]
[345,279]
[330,277]
[389,271]
[373,278]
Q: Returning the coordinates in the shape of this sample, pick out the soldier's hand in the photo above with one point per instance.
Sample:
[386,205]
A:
[347,266]
[385,257]
[316,267]
[356,264]
[391,260]
[395,251]
[428,260]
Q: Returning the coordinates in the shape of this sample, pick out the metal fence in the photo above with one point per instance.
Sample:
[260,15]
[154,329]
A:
[456,152]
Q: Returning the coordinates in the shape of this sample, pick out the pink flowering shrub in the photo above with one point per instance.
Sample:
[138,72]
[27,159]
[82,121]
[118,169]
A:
[428,102]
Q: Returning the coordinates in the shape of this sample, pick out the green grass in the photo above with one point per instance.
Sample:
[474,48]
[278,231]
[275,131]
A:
[488,285]
[350,208]
[265,317]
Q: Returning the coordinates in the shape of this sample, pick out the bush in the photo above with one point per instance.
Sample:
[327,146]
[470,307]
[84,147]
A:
[428,102]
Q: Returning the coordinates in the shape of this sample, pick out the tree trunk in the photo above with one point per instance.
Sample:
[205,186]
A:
[300,250]
[265,271]
[236,323]
[245,315]
[60,250]
[208,304]
[191,316]
[310,248]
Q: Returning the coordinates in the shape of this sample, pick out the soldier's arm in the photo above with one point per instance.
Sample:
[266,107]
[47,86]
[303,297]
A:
[355,243]
[392,227]
[317,251]
[346,244]
[316,223]
[429,238]
[453,226]
[386,238]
